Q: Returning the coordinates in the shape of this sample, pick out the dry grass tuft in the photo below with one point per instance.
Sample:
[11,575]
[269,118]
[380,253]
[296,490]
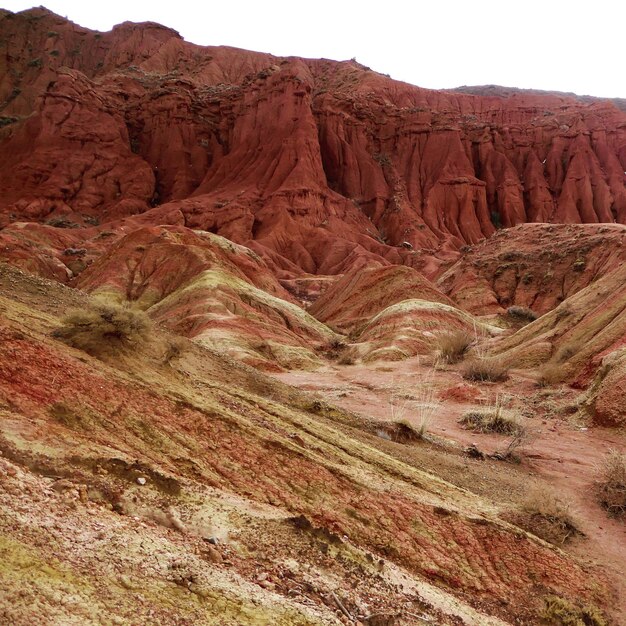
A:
[411,415]
[567,351]
[551,374]
[611,483]
[547,516]
[521,314]
[103,327]
[486,369]
[561,612]
[405,431]
[492,421]
[174,349]
[453,346]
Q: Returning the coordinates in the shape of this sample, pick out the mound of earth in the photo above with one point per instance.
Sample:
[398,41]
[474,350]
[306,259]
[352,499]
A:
[533,265]
[412,327]
[205,287]
[356,297]
[574,338]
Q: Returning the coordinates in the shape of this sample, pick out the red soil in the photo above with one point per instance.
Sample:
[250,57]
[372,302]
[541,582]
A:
[566,455]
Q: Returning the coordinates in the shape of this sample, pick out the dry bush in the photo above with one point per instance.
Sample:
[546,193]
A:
[104,326]
[486,369]
[411,415]
[346,359]
[611,483]
[494,420]
[453,346]
[551,374]
[335,348]
[521,314]
[547,516]
[174,349]
[561,612]
[405,431]
[567,351]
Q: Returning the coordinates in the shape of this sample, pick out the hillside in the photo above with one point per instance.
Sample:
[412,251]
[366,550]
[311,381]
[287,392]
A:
[285,341]
[317,162]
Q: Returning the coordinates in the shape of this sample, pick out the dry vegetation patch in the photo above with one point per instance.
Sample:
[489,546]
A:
[104,326]
[453,346]
[551,374]
[494,420]
[561,612]
[521,314]
[611,483]
[547,516]
[486,369]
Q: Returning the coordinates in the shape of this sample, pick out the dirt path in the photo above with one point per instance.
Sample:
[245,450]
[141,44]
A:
[565,454]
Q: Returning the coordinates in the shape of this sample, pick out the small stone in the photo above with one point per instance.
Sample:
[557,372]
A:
[213,555]
[141,480]
[212,540]
[126,582]
[262,576]
[175,520]
[266,584]
[63,485]
[82,494]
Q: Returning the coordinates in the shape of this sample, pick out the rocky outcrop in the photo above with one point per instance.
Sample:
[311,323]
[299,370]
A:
[319,163]
[574,338]
[533,265]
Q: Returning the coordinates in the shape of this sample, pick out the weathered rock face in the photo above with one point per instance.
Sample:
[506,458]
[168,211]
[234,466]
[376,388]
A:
[533,265]
[575,338]
[320,163]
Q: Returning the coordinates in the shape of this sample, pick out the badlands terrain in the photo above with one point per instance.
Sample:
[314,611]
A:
[285,341]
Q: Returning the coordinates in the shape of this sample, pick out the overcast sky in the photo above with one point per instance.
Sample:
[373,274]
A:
[548,44]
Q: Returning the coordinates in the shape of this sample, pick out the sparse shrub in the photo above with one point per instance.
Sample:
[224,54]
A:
[519,439]
[453,346]
[521,314]
[611,483]
[6,120]
[545,515]
[346,359]
[336,344]
[405,431]
[174,348]
[104,326]
[567,352]
[492,420]
[550,374]
[411,416]
[61,222]
[486,369]
[561,612]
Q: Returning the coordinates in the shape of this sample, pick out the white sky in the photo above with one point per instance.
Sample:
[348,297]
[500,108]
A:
[541,44]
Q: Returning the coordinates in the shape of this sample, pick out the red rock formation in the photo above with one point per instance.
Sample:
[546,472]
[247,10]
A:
[361,294]
[575,338]
[533,265]
[320,163]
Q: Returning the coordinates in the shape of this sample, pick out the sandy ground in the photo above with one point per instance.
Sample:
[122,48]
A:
[562,450]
